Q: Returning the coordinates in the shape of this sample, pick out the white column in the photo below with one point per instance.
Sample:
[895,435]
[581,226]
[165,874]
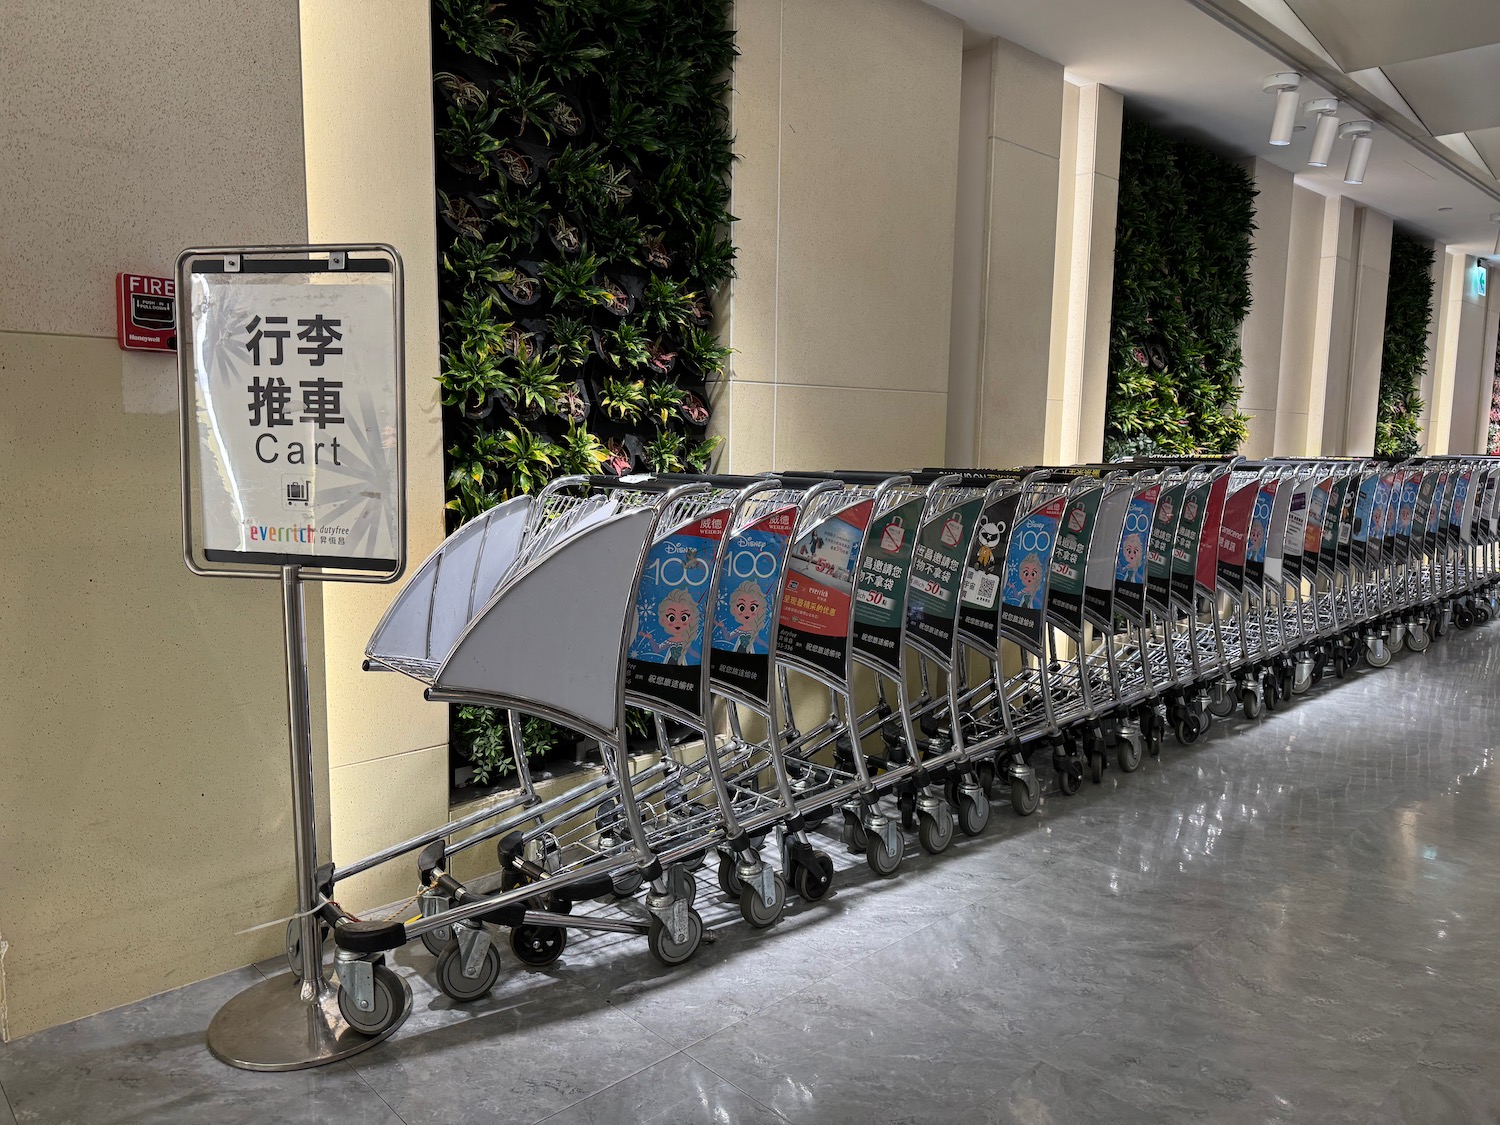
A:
[1300,324]
[1333,323]
[1449,269]
[1082,295]
[1263,331]
[1354,391]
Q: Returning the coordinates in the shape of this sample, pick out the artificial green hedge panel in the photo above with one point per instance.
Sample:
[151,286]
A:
[1403,356]
[1181,290]
[582,157]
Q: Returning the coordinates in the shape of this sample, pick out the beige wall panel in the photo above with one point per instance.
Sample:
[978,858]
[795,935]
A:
[1299,324]
[380,801]
[1371,282]
[1261,333]
[1027,100]
[857,428]
[1101,288]
[755,108]
[367,120]
[1018,305]
[752,414]
[126,138]
[1471,368]
[143,760]
[869,142]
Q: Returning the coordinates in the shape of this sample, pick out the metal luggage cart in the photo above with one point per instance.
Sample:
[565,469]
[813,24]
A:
[571,601]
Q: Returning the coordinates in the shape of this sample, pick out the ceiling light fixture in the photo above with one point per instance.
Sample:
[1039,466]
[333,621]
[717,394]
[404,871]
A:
[1359,154]
[1327,112]
[1284,86]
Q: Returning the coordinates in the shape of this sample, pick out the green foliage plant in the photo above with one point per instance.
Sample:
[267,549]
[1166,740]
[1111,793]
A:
[1181,291]
[1403,354]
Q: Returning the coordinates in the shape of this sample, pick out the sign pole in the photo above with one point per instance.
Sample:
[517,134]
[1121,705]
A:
[293,467]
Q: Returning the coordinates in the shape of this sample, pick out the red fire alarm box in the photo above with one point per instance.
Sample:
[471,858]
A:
[146,312]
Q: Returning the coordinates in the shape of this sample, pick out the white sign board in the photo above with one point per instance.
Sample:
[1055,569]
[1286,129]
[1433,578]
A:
[293,393]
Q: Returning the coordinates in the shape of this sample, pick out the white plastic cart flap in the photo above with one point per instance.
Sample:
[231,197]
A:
[437,602]
[553,634]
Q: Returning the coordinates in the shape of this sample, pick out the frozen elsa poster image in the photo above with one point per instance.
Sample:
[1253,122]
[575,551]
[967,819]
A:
[669,608]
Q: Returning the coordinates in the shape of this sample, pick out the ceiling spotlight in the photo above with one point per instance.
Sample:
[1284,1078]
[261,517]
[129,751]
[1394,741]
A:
[1284,86]
[1327,112]
[1359,154]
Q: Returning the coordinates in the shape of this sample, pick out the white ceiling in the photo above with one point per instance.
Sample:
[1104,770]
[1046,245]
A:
[1181,67]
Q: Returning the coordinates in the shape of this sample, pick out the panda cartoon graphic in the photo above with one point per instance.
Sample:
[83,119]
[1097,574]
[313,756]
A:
[989,535]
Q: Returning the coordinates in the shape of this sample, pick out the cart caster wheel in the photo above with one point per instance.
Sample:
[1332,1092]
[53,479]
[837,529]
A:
[814,880]
[1069,782]
[936,832]
[760,914]
[855,838]
[538,945]
[1129,754]
[881,861]
[1223,704]
[1340,665]
[1025,796]
[1096,768]
[1187,730]
[986,774]
[453,984]
[1416,638]
[383,1013]
[908,807]
[973,813]
[729,878]
[1302,680]
[1250,702]
[1398,638]
[627,883]
[1463,618]
[1378,653]
[437,940]
[1481,615]
[1268,694]
[668,951]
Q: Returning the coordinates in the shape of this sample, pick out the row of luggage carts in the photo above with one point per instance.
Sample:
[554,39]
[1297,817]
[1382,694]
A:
[972,634]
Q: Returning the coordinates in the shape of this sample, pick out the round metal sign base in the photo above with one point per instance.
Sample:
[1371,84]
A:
[271,1026]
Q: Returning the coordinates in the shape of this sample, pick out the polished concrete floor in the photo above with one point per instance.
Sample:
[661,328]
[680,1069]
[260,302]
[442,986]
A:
[1297,920]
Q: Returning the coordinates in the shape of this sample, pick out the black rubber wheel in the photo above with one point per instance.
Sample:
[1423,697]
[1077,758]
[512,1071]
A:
[387,1007]
[814,880]
[908,806]
[1463,618]
[973,813]
[855,837]
[538,945]
[756,911]
[1269,693]
[1128,755]
[1187,730]
[453,984]
[882,862]
[1096,767]
[1024,798]
[1223,706]
[627,883]
[1250,702]
[437,940]
[1069,782]
[935,832]
[1340,664]
[729,879]
[668,951]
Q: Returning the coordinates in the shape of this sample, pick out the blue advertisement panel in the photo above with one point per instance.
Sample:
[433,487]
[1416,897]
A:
[1130,562]
[1024,589]
[665,660]
[750,572]
[1258,534]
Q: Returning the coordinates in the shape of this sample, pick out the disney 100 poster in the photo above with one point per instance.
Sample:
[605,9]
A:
[749,576]
[666,647]
[1026,563]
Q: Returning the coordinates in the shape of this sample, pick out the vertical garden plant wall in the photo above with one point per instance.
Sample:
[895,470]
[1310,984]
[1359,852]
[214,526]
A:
[1181,291]
[1403,355]
[583,156]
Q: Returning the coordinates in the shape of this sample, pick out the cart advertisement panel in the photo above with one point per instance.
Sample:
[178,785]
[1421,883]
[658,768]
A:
[1099,573]
[937,575]
[885,570]
[1159,547]
[814,622]
[1070,560]
[1317,517]
[665,660]
[1344,549]
[749,576]
[1208,541]
[1130,561]
[1426,518]
[293,406]
[979,599]
[1234,534]
[1381,521]
[1411,483]
[1364,508]
[1185,542]
[1340,522]
[1257,535]
[1296,535]
[1457,527]
[1027,558]
[1328,550]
